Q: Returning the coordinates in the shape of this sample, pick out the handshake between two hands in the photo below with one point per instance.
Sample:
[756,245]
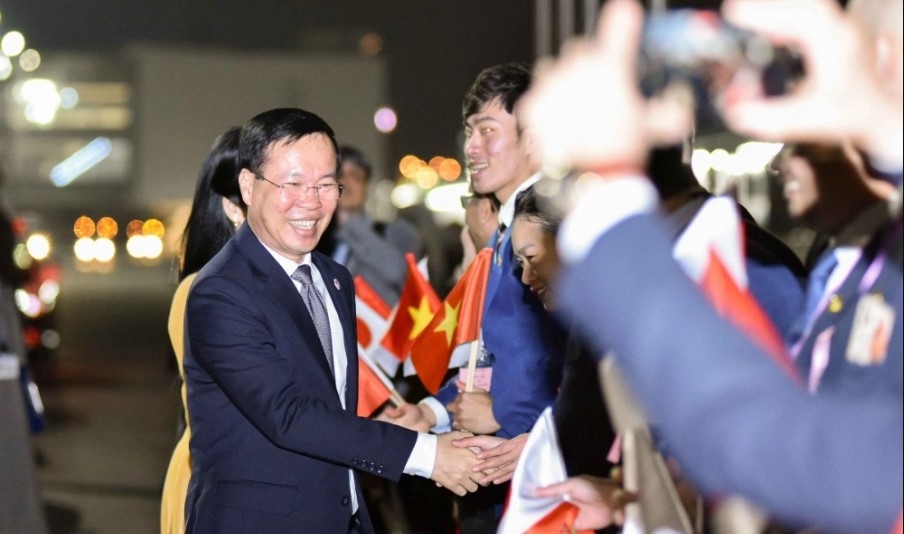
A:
[464,461]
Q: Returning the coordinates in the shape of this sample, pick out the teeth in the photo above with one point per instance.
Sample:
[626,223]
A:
[792,186]
[478,168]
[303,225]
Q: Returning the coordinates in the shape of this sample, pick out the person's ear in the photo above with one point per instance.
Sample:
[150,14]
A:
[233,212]
[246,181]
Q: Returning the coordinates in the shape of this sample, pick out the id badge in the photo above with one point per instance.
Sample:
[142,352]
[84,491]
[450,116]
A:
[871,331]
[482,377]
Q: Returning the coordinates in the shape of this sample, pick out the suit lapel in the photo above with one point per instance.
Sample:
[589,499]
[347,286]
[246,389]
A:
[277,287]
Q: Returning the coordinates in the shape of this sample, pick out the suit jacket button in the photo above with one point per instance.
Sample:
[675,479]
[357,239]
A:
[346,500]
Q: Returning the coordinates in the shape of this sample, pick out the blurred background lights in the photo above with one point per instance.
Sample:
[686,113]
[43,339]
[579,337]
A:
[68,98]
[370,44]
[39,99]
[81,161]
[84,249]
[28,304]
[144,246]
[409,166]
[446,198]
[450,169]
[13,43]
[153,227]
[84,227]
[21,257]
[30,60]
[426,177]
[6,68]
[135,227]
[405,195]
[107,227]
[49,291]
[38,246]
[385,119]
[104,249]
[435,162]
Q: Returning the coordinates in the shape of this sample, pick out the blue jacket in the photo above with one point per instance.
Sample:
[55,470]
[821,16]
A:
[734,420]
[527,344]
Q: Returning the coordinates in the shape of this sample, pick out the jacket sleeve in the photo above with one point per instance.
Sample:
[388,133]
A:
[736,423]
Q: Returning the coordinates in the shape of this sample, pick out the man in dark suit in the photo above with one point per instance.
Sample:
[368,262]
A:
[526,347]
[271,364]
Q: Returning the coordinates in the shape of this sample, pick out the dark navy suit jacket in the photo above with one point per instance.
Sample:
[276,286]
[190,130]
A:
[842,374]
[528,346]
[271,444]
[734,420]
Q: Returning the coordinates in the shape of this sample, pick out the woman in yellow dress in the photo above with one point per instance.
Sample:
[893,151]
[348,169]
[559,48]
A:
[217,210]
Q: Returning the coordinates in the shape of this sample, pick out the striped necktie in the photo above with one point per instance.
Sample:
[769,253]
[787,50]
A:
[317,309]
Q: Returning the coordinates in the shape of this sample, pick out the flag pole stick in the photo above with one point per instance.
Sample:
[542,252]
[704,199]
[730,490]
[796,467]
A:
[472,365]
[396,398]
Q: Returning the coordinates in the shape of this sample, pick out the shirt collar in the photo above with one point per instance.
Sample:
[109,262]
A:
[288,265]
[507,209]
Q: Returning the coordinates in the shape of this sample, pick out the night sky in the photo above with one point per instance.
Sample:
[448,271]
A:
[434,48]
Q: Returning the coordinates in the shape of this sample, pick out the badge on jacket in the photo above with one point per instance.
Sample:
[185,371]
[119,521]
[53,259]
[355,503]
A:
[871,331]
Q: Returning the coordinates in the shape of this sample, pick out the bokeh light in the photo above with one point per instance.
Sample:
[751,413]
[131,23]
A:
[84,249]
[450,169]
[30,60]
[135,227]
[426,177]
[84,227]
[107,227]
[153,227]
[38,246]
[104,249]
[6,68]
[409,166]
[385,119]
[13,43]
[370,44]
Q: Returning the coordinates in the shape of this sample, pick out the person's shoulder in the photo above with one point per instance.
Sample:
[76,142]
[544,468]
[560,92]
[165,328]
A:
[324,262]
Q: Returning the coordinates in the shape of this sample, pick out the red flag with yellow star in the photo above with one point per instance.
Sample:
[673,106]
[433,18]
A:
[415,309]
[457,322]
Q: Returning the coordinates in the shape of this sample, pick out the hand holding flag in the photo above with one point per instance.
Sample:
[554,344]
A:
[541,464]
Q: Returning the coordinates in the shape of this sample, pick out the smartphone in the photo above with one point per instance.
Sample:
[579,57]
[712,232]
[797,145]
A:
[699,49]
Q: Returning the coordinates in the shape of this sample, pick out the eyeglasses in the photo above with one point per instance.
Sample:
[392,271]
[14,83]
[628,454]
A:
[465,199]
[296,191]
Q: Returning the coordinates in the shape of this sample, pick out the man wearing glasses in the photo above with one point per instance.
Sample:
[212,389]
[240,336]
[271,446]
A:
[271,361]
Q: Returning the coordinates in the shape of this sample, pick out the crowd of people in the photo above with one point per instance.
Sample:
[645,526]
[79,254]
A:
[266,334]
[263,323]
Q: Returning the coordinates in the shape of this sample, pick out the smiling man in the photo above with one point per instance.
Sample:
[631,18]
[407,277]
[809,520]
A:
[526,344]
[271,361]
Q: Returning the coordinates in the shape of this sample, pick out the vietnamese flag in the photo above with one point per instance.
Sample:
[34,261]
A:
[457,322]
[374,389]
[711,251]
[412,314]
